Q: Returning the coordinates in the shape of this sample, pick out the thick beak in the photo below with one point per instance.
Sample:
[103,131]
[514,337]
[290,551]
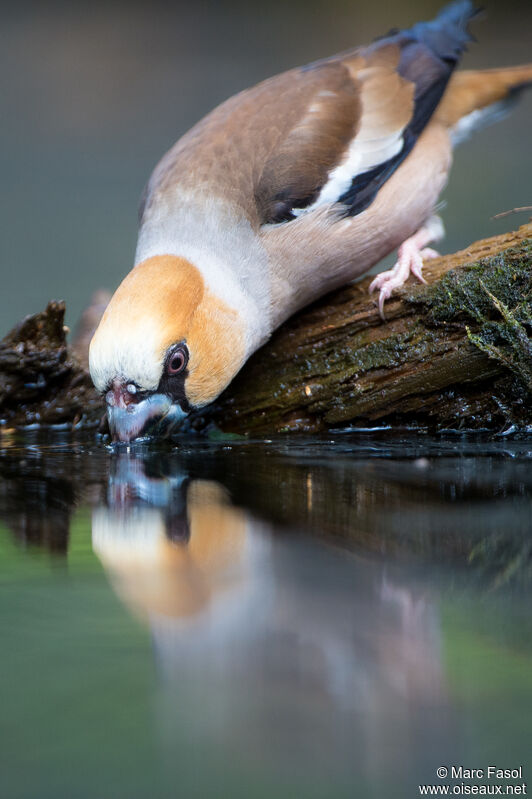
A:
[156,415]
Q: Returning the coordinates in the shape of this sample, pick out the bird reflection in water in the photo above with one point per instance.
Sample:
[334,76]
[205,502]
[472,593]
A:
[174,548]
[271,634]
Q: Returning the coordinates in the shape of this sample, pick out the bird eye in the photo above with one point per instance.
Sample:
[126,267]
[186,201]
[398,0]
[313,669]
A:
[177,360]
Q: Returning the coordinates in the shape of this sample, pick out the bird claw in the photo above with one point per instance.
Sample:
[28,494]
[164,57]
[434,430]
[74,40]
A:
[409,261]
[384,294]
[427,253]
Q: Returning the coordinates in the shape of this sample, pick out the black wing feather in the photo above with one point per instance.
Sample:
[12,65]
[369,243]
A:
[429,54]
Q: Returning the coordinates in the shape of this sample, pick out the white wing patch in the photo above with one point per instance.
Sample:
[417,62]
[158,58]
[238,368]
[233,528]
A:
[356,162]
[386,108]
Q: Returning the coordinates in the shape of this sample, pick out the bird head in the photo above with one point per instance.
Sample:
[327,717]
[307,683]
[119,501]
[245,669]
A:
[165,344]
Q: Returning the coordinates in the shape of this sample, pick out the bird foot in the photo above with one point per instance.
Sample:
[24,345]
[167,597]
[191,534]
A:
[410,258]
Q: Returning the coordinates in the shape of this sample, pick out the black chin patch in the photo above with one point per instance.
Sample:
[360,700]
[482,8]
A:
[174,386]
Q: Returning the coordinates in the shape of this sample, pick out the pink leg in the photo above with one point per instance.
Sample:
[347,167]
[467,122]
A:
[409,261]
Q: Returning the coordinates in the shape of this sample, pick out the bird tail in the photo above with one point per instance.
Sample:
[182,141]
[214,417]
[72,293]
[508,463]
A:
[475,98]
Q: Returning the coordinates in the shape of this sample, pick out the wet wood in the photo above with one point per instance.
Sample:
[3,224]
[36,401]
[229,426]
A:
[41,380]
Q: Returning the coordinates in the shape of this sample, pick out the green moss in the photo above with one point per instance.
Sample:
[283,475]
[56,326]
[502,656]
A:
[506,340]
[493,296]
[357,357]
[467,292]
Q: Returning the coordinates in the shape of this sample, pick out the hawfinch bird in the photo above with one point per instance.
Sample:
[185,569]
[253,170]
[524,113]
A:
[281,194]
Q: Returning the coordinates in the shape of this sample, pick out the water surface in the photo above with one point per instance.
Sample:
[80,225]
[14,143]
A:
[327,617]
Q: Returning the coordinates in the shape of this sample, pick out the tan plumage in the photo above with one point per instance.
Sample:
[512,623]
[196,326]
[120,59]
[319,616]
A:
[474,90]
[284,136]
[159,576]
[282,193]
[165,299]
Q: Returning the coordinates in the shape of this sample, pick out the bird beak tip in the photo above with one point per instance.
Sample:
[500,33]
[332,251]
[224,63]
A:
[157,416]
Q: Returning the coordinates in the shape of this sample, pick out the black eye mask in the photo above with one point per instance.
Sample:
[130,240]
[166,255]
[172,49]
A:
[173,382]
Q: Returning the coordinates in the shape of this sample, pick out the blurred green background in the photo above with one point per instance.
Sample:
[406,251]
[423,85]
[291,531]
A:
[93,94]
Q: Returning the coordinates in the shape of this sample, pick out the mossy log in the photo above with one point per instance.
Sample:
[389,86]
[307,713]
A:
[455,353]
